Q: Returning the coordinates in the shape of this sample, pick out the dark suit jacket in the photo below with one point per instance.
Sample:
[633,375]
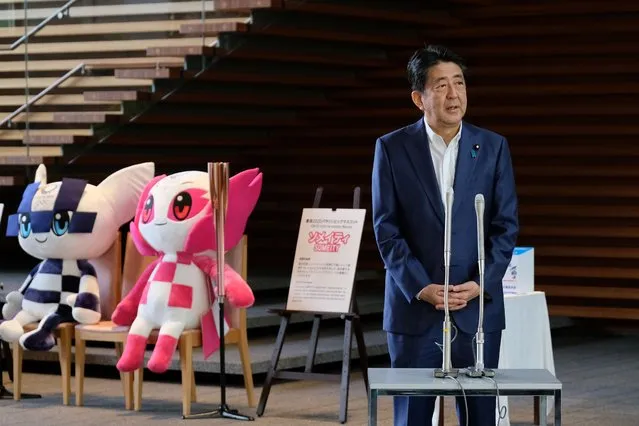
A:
[408,220]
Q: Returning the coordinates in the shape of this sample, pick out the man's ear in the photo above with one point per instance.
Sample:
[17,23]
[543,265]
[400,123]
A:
[417,99]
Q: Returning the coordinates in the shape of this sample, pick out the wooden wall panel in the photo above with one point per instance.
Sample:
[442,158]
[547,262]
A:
[558,79]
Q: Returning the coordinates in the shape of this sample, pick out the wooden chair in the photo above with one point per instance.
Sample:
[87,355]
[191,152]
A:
[108,270]
[107,331]
[190,339]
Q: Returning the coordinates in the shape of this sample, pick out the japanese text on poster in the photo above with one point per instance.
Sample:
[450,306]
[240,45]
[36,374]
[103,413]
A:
[325,260]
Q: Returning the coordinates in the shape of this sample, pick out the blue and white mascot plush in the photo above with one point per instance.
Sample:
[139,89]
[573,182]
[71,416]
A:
[66,224]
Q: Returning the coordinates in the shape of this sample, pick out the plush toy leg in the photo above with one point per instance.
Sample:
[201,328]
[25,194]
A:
[165,347]
[10,331]
[133,355]
[43,338]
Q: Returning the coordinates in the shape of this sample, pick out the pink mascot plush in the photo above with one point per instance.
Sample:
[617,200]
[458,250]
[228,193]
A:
[174,221]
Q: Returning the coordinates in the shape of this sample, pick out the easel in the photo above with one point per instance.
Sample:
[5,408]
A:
[351,320]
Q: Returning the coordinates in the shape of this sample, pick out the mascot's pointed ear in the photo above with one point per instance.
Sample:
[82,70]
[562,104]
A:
[124,188]
[41,175]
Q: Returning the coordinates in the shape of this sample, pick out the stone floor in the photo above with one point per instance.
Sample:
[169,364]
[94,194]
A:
[291,403]
[598,368]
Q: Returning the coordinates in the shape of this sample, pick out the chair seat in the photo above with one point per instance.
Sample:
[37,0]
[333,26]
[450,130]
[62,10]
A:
[32,326]
[194,336]
[103,327]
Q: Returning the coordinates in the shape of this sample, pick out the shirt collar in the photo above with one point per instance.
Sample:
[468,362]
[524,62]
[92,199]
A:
[432,136]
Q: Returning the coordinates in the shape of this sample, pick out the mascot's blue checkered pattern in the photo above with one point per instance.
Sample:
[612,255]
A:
[65,224]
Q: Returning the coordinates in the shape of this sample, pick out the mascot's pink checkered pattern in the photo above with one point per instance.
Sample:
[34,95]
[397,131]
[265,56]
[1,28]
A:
[174,222]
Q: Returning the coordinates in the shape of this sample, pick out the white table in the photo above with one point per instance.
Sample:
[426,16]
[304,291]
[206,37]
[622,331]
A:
[421,382]
[525,343]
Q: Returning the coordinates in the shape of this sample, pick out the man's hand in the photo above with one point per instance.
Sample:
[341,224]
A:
[466,291]
[434,294]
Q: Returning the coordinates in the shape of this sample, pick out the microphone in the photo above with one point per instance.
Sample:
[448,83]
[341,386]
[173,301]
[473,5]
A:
[447,369]
[478,370]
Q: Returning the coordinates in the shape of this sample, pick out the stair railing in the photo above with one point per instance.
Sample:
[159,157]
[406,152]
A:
[8,119]
[59,13]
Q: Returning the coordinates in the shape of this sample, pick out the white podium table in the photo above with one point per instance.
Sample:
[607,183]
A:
[525,343]
[422,382]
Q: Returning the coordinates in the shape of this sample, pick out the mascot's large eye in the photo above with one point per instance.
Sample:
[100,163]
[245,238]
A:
[147,212]
[25,225]
[181,206]
[60,222]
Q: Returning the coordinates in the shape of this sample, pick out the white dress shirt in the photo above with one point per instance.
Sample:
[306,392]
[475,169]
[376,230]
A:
[444,159]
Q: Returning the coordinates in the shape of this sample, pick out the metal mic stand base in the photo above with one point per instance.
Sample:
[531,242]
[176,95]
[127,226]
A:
[484,372]
[440,373]
[223,411]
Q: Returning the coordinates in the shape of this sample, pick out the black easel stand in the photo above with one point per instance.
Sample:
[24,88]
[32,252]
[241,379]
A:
[7,364]
[351,320]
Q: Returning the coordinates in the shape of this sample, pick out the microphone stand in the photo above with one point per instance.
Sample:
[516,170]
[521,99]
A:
[478,370]
[219,177]
[447,369]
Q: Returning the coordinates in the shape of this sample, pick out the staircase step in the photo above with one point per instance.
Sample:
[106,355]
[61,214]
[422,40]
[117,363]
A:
[116,95]
[144,62]
[39,151]
[257,96]
[32,117]
[149,73]
[11,181]
[21,161]
[181,50]
[280,55]
[20,135]
[54,139]
[56,99]
[86,117]
[212,28]
[245,5]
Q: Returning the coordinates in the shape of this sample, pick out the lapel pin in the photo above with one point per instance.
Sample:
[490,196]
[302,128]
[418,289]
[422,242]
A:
[473,152]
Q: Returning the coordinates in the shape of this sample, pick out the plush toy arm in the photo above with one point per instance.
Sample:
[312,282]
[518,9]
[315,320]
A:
[126,310]
[14,298]
[238,292]
[13,305]
[86,304]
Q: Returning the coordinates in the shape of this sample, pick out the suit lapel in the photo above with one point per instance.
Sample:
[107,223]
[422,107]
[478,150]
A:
[419,155]
[467,158]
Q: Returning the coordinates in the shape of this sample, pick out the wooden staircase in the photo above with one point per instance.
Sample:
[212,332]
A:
[302,89]
[93,40]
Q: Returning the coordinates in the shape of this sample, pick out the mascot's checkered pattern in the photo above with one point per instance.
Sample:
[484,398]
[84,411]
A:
[174,222]
[65,224]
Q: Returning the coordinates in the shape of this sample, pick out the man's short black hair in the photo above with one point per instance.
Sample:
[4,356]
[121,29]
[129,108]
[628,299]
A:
[423,59]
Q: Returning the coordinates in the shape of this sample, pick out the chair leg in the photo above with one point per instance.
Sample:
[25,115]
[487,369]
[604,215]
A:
[193,388]
[127,379]
[80,347]
[138,378]
[245,357]
[64,343]
[17,371]
[186,366]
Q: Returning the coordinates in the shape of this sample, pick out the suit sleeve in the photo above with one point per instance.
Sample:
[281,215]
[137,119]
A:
[502,227]
[406,270]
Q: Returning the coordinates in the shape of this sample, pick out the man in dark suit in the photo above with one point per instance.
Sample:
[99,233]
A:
[413,168]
